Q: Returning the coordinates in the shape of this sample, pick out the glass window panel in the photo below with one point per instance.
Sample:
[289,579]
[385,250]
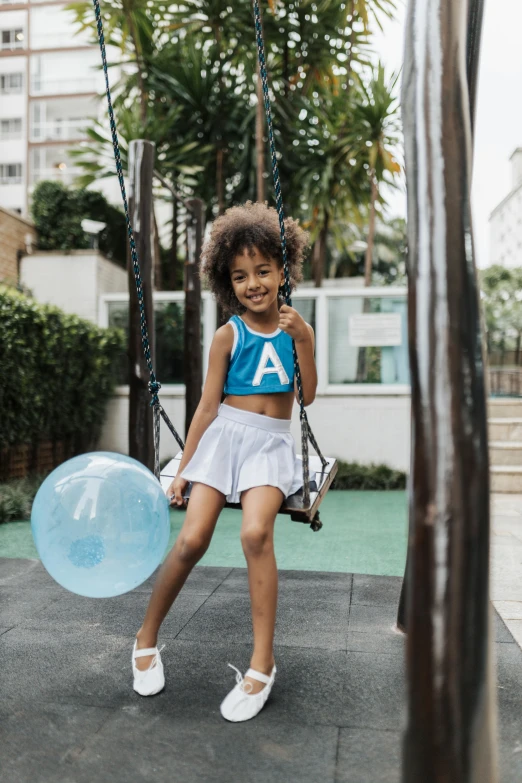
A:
[169,323]
[349,363]
[306,308]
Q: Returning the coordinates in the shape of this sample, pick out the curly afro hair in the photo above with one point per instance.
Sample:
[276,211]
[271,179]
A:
[253,225]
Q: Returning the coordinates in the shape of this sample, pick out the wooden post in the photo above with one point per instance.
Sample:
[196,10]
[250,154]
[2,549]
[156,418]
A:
[473,40]
[141,165]
[451,729]
[193,360]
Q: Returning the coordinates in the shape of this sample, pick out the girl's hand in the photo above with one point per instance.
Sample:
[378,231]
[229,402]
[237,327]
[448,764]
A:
[176,490]
[293,324]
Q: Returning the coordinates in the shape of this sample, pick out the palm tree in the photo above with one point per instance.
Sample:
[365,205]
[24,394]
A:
[373,139]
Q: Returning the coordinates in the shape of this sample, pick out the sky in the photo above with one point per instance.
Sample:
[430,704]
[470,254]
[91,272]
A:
[499,108]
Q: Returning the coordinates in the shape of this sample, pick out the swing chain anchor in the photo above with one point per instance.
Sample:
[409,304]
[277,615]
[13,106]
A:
[154,387]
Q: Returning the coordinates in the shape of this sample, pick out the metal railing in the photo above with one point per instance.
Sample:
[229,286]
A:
[79,86]
[505,382]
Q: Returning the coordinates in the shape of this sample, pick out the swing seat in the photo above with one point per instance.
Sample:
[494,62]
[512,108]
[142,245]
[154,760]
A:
[292,505]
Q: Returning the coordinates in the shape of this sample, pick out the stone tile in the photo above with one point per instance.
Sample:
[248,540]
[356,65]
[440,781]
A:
[77,668]
[500,631]
[509,610]
[301,621]
[163,749]
[375,590]
[369,755]
[319,586]
[515,628]
[374,693]
[18,605]
[41,745]
[120,616]
[202,579]
[380,619]
[390,642]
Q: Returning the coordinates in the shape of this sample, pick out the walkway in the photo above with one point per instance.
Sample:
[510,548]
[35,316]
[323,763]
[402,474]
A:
[69,715]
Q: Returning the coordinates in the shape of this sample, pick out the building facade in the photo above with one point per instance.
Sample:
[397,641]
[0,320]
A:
[506,221]
[49,83]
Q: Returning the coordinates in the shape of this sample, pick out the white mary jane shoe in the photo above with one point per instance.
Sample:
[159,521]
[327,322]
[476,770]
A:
[241,705]
[152,680]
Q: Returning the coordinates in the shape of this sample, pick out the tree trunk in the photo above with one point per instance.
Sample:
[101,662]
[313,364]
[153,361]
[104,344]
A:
[173,269]
[193,360]
[319,253]
[260,144]
[141,166]
[220,181]
[368,261]
[158,271]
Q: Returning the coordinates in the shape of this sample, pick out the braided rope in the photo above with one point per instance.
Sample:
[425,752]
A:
[154,385]
[306,432]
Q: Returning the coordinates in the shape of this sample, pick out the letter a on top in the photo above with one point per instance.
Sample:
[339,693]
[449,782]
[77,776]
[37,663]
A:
[270,354]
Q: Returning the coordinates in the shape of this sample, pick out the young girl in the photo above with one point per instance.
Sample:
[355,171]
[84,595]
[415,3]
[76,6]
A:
[240,449]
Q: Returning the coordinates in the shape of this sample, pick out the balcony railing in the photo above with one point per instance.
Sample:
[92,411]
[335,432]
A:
[57,131]
[63,86]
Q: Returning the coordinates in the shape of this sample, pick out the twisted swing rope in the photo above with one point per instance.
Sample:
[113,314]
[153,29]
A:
[153,385]
[306,432]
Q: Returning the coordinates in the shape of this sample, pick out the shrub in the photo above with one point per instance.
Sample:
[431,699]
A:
[58,211]
[352,475]
[16,498]
[55,374]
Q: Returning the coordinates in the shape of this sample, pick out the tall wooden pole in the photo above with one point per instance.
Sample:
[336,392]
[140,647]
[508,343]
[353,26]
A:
[451,730]
[473,40]
[193,362]
[141,166]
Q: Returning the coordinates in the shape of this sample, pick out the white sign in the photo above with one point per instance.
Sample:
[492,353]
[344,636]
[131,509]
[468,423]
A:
[374,329]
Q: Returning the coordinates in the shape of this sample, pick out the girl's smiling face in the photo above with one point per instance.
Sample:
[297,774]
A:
[255,280]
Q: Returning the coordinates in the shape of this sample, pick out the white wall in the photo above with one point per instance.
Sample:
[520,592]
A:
[74,282]
[356,429]
[506,231]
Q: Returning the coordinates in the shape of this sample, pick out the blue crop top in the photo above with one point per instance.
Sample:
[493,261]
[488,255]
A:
[259,363]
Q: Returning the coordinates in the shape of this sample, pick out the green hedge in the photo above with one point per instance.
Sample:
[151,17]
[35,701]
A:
[58,211]
[352,475]
[55,373]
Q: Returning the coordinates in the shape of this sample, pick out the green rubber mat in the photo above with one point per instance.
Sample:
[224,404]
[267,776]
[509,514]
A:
[363,532]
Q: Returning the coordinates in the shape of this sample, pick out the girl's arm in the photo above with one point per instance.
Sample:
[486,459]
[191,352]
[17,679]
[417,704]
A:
[291,322]
[207,409]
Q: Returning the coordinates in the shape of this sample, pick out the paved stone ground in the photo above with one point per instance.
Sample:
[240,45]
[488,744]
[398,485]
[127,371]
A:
[68,713]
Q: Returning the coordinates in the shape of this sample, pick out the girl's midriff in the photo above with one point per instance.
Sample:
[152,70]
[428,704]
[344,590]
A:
[277,406]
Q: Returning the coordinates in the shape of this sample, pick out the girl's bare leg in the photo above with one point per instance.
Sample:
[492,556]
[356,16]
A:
[260,506]
[191,544]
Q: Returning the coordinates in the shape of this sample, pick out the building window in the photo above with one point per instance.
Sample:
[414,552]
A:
[11,129]
[10,173]
[11,83]
[13,39]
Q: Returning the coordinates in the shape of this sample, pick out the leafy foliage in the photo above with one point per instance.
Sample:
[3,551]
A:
[501,294]
[55,373]
[58,211]
[352,475]
[191,91]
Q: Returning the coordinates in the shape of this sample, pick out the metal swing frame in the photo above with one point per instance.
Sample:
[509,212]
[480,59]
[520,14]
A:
[304,505]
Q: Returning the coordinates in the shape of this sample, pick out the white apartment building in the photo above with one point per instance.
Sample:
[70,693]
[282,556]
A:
[506,221]
[49,82]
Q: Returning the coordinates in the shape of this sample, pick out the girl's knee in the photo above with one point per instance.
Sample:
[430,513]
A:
[192,546]
[255,539]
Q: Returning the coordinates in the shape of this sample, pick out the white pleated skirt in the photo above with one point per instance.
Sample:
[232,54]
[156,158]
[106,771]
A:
[241,450]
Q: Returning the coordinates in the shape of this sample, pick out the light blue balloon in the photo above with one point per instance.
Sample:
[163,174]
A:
[100,523]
